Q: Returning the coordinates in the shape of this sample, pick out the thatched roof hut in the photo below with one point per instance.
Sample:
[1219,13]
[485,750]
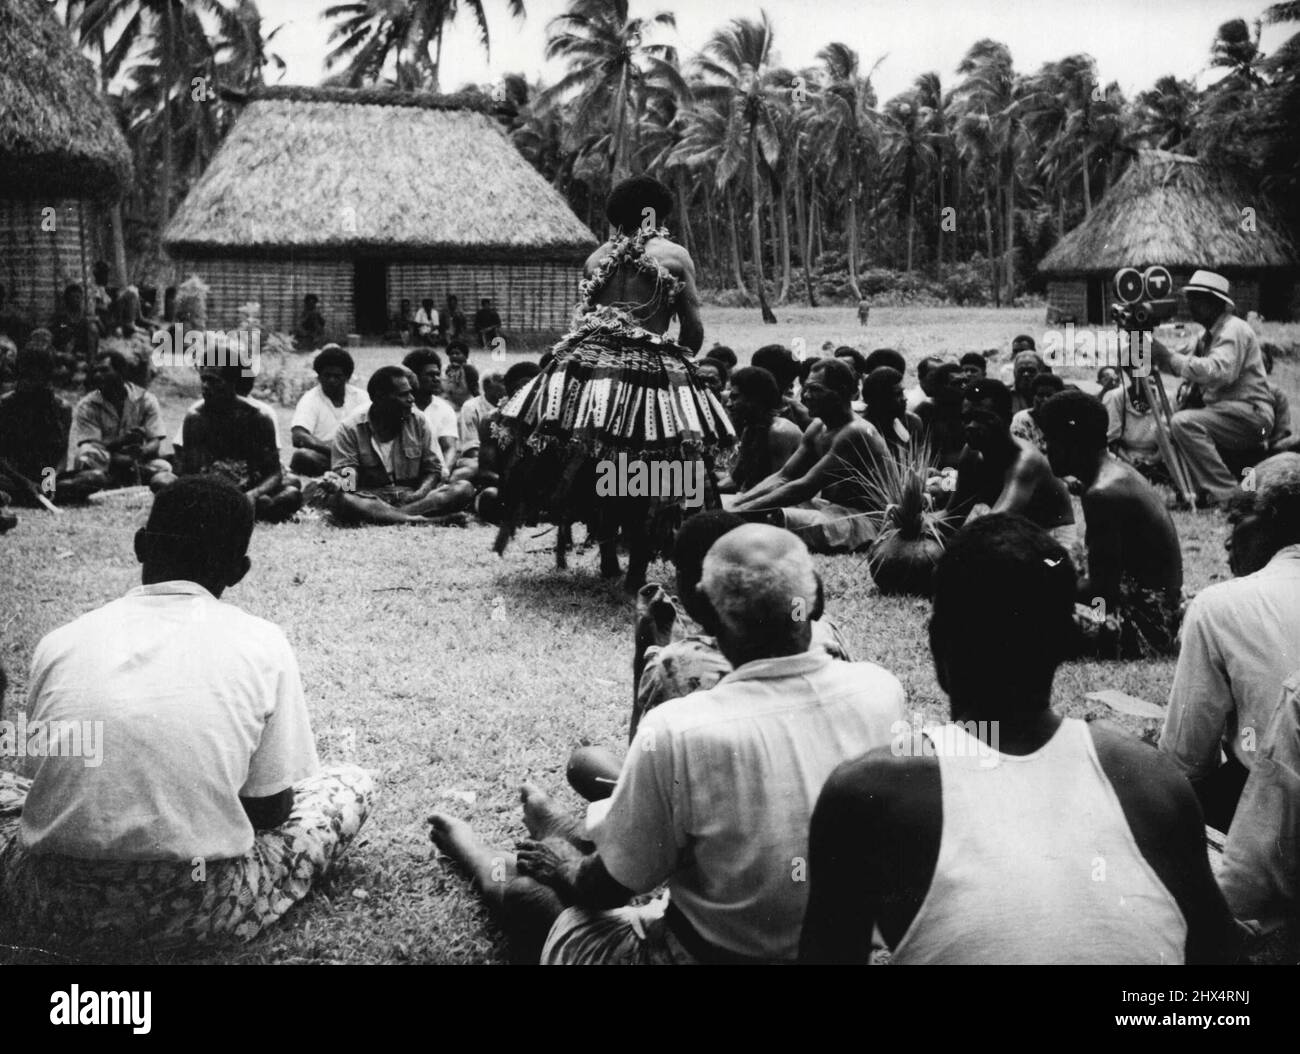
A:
[62,157]
[1185,214]
[368,197]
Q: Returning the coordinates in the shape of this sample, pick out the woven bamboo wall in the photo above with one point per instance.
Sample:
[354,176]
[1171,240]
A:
[530,297]
[36,264]
[279,286]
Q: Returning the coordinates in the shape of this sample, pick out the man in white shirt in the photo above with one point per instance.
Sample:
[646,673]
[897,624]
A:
[443,419]
[322,409]
[716,794]
[203,811]
[1240,642]
[426,321]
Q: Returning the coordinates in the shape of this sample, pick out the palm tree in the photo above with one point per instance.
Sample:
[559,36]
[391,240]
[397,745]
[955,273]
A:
[1164,116]
[989,98]
[368,33]
[846,136]
[612,71]
[735,69]
[141,21]
[909,157]
[703,143]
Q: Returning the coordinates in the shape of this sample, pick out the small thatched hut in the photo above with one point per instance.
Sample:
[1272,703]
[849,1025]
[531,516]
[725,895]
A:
[368,197]
[1180,212]
[62,161]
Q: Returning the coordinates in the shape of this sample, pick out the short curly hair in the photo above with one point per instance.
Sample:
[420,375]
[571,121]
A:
[625,207]
[333,355]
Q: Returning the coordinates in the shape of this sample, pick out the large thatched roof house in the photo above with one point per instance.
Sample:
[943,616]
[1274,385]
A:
[62,160]
[368,197]
[1180,212]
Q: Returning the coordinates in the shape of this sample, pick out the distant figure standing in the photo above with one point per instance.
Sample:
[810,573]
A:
[487,323]
[310,333]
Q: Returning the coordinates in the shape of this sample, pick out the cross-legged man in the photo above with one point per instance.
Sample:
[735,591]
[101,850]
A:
[715,797]
[195,807]
[384,468]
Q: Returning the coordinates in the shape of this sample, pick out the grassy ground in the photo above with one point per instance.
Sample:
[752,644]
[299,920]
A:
[452,674]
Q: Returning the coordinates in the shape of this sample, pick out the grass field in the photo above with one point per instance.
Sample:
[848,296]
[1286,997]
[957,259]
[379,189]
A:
[452,674]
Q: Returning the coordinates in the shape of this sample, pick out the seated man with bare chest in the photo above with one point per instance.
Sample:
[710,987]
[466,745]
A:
[231,438]
[822,493]
[998,474]
[1131,596]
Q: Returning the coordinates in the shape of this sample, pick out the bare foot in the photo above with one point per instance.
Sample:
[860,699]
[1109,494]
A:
[544,819]
[453,837]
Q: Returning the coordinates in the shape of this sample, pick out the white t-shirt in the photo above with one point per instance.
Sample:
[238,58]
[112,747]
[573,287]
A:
[258,404]
[321,417]
[443,420]
[719,786]
[199,704]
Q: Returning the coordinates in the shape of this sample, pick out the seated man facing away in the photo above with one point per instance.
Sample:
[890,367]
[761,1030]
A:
[767,440]
[716,794]
[209,815]
[116,431]
[34,426]
[1239,644]
[1010,835]
[231,438]
[998,474]
[384,468]
[823,492]
[441,416]
[673,657]
[1130,599]
[1261,858]
[322,409]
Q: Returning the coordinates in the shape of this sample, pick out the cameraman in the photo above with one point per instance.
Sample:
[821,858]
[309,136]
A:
[1227,369]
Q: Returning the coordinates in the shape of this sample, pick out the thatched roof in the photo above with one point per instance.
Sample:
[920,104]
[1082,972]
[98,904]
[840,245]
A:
[58,136]
[1177,211]
[421,175]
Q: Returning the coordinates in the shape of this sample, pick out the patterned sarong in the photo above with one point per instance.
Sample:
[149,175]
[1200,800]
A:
[55,901]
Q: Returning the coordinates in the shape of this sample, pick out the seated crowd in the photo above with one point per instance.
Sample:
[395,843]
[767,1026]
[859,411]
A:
[776,800]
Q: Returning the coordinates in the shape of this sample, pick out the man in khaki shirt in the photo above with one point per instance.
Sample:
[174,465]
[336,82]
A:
[1228,369]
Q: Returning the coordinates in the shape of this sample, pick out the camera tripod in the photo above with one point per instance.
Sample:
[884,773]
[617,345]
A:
[1153,390]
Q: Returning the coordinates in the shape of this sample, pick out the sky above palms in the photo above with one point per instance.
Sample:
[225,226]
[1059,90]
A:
[1134,41]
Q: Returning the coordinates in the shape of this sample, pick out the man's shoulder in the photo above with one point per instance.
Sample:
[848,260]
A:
[882,774]
[91,400]
[1143,776]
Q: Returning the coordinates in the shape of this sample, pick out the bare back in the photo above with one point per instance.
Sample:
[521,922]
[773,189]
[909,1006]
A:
[651,300]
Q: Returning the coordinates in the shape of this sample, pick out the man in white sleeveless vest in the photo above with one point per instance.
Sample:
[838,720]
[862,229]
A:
[1011,835]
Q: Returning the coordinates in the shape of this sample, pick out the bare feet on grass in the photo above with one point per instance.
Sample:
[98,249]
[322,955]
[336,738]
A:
[545,819]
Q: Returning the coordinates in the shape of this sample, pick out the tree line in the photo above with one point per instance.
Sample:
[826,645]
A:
[782,176]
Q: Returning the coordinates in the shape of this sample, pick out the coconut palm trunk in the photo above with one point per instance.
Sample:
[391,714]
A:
[993,257]
[785,242]
[169,76]
[735,241]
[853,245]
[755,227]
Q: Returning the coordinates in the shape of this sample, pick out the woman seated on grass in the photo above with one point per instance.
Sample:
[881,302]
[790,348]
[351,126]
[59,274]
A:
[766,439]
